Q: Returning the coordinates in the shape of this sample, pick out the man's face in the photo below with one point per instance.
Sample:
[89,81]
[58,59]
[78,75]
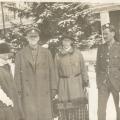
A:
[32,38]
[108,35]
[66,43]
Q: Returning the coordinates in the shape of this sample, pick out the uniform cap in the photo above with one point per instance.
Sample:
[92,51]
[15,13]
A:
[32,30]
[109,26]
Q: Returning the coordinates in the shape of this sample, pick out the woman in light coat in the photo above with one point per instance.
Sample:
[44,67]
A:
[72,78]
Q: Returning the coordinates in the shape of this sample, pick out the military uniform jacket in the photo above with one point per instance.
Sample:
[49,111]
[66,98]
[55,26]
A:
[108,65]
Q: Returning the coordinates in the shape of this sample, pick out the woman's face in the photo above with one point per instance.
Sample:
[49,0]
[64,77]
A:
[66,43]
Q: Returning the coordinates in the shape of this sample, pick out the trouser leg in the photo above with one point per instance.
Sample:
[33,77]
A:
[116,102]
[103,95]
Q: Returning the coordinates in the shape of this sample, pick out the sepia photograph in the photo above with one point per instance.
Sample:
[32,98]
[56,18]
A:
[60,60]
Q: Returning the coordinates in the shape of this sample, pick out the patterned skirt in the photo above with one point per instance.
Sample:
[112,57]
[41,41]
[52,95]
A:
[6,113]
[69,111]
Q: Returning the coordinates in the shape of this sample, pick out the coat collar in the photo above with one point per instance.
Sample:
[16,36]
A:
[64,52]
[29,57]
[28,54]
[113,44]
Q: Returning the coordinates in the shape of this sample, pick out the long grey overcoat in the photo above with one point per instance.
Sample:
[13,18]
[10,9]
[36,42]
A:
[35,82]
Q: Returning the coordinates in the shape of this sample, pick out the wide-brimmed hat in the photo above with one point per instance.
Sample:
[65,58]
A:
[65,37]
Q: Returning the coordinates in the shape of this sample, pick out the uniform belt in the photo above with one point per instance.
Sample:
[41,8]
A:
[71,76]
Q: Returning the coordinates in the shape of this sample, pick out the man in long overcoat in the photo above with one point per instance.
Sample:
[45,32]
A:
[34,75]
[108,71]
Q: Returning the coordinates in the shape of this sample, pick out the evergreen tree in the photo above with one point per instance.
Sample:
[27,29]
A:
[56,19]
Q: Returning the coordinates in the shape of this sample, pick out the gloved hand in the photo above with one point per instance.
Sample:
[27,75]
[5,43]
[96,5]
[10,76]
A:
[5,99]
[9,103]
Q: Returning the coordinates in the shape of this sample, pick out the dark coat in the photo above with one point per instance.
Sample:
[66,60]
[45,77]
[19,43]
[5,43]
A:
[108,65]
[8,86]
[35,82]
[72,73]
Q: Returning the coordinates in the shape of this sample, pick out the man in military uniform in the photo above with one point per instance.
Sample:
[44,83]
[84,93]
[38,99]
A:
[108,71]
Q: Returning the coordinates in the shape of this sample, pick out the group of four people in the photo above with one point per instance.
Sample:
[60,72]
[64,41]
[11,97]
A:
[38,78]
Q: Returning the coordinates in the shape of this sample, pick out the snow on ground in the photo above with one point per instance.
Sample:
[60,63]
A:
[90,57]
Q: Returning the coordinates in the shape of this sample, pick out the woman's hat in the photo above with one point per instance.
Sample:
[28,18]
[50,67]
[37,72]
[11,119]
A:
[64,37]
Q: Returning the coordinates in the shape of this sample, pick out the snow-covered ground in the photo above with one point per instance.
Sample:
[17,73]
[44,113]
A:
[90,57]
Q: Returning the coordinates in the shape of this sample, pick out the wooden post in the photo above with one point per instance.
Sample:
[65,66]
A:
[3,17]
[104,17]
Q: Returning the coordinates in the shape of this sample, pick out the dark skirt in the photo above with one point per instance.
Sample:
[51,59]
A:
[70,111]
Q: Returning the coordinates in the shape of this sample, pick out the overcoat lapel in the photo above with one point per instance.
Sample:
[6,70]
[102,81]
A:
[40,55]
[28,56]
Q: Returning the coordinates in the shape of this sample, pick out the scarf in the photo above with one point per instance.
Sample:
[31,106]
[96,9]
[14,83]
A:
[66,51]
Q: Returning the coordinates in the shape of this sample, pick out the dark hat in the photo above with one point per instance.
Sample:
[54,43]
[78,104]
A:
[109,26]
[67,37]
[32,30]
[4,48]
